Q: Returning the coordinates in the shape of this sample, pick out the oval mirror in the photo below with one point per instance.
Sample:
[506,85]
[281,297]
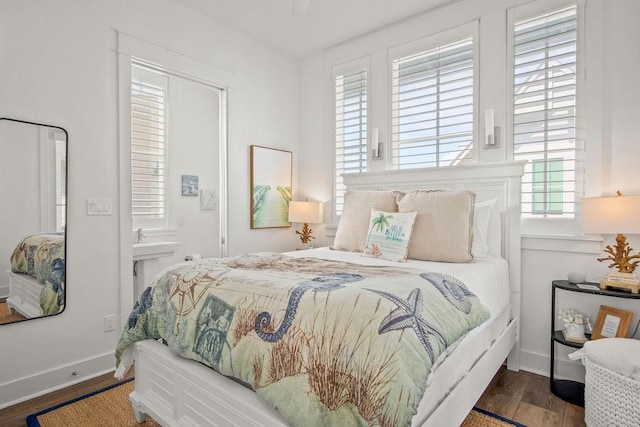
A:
[33,190]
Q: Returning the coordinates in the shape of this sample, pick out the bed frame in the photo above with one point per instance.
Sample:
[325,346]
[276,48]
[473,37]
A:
[24,294]
[180,392]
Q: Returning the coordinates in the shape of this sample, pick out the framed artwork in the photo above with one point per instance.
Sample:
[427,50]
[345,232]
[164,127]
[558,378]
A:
[271,171]
[189,185]
[611,322]
[207,199]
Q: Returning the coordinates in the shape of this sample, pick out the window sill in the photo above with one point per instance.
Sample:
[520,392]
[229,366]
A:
[591,244]
[155,233]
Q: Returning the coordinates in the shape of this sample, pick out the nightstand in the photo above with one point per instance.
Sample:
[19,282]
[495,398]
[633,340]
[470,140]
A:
[568,390]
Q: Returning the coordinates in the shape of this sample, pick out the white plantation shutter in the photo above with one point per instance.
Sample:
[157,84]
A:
[544,112]
[432,106]
[148,148]
[350,128]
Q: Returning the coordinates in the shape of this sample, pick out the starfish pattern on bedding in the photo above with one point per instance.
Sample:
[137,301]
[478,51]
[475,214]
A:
[408,314]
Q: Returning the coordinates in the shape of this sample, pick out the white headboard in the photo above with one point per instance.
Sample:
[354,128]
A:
[489,180]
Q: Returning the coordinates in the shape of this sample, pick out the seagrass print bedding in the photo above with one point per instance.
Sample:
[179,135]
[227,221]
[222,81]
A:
[42,256]
[323,342]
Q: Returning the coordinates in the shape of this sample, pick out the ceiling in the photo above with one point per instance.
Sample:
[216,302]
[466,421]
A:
[325,23]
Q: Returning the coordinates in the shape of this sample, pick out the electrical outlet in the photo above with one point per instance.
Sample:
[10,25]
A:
[110,323]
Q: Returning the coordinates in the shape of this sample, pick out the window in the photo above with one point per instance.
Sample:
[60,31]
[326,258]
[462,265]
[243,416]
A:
[350,128]
[432,106]
[148,148]
[544,113]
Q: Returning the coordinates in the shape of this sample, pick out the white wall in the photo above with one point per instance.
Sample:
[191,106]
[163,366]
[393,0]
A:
[609,110]
[58,65]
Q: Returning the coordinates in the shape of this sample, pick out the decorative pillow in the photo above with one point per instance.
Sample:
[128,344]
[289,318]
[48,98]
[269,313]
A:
[389,235]
[481,215]
[444,224]
[354,224]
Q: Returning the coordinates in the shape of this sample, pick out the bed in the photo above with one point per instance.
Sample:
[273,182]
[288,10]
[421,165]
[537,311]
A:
[37,275]
[178,391]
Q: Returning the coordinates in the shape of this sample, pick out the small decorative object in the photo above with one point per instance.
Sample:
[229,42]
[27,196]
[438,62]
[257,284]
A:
[611,215]
[189,185]
[611,322]
[305,212]
[270,187]
[575,325]
[389,235]
[575,277]
[207,199]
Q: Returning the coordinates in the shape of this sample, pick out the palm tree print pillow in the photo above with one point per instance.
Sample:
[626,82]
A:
[389,235]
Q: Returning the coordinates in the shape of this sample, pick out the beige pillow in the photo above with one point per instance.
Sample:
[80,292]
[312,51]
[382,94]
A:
[354,224]
[444,224]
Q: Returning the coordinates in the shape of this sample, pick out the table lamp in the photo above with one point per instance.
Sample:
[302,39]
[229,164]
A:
[306,213]
[615,215]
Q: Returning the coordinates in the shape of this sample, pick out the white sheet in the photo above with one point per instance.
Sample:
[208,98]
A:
[488,278]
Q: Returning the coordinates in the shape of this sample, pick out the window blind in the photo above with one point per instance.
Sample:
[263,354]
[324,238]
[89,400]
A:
[432,106]
[350,129]
[544,112]
[148,150]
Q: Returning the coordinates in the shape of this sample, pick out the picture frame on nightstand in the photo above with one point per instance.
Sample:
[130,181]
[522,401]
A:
[611,323]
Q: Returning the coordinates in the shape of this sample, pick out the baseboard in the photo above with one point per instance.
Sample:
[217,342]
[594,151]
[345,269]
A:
[4,291]
[538,363]
[41,383]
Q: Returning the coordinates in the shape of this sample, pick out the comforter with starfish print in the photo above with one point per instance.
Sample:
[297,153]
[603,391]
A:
[324,342]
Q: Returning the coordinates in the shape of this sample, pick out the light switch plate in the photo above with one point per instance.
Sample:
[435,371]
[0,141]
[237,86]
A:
[99,206]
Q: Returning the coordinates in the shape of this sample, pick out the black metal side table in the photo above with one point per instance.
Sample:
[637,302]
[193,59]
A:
[568,390]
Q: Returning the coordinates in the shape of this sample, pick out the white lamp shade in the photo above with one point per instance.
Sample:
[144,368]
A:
[611,215]
[309,212]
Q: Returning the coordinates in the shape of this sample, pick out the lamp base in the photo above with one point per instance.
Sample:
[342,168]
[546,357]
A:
[621,281]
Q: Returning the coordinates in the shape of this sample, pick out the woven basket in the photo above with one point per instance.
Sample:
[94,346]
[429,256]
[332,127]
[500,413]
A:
[610,399]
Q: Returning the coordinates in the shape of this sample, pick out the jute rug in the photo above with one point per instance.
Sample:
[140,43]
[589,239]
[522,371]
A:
[6,316]
[110,407]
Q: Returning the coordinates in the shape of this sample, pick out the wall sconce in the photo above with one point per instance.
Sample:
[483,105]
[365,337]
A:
[491,132]
[615,215]
[377,152]
[305,212]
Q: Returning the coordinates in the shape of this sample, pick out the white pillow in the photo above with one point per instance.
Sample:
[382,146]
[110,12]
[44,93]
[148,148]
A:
[444,223]
[351,234]
[389,235]
[481,215]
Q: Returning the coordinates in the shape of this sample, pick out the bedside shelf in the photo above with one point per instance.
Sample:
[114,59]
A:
[559,337]
[567,390]
[565,285]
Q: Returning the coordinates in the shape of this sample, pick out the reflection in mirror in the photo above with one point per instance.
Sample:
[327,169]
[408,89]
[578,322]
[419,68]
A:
[33,183]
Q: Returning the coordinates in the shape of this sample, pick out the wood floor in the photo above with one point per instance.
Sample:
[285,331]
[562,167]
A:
[525,397]
[520,396]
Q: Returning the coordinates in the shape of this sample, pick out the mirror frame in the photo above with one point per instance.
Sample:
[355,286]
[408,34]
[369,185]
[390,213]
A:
[66,210]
